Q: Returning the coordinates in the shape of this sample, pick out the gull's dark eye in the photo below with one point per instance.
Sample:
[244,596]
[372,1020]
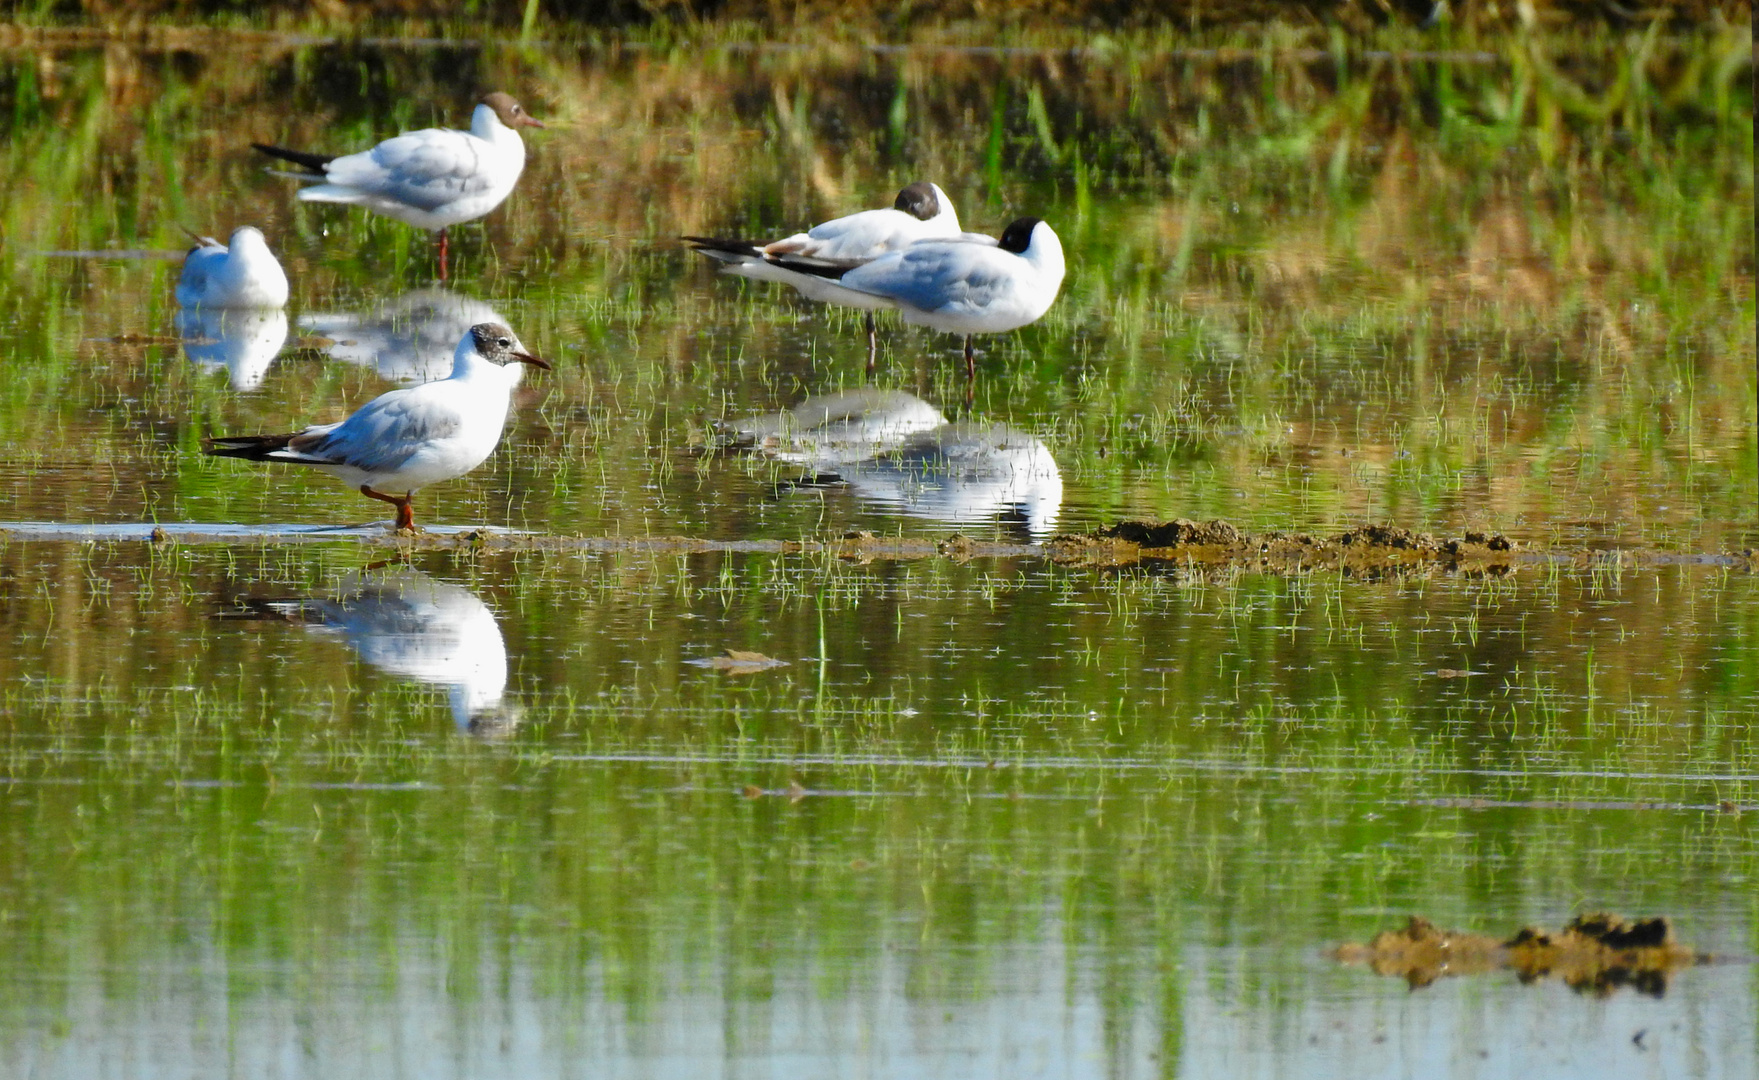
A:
[505,343]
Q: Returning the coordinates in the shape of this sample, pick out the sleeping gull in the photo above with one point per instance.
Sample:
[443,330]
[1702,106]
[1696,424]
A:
[242,273]
[921,211]
[955,286]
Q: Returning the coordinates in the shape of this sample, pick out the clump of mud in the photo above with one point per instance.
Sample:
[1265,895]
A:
[1595,954]
[1366,550]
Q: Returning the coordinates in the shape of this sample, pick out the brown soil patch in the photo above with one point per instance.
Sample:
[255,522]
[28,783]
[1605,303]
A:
[1593,954]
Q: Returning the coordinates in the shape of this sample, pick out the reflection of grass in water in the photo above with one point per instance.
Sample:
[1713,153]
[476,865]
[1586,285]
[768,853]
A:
[1135,804]
[1301,825]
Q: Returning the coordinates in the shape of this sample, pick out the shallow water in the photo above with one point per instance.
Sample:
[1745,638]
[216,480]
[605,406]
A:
[288,798]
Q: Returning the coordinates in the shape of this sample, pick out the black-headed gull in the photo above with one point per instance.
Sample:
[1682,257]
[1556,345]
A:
[404,440]
[921,211]
[431,178]
[242,273]
[957,286]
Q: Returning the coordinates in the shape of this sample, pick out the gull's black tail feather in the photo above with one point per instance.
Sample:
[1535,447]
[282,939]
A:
[314,162]
[722,248]
[248,447]
[295,610]
[817,267]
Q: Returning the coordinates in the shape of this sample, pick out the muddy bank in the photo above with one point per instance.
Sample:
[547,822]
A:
[1365,550]
[1593,954]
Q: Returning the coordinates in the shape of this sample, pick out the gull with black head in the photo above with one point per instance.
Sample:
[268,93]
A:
[956,286]
[404,440]
[921,211]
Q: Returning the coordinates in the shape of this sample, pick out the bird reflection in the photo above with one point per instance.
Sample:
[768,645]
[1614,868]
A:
[842,427]
[408,338]
[416,627]
[898,452]
[243,341]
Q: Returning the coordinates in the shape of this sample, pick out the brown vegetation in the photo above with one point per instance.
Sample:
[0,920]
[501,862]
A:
[894,19]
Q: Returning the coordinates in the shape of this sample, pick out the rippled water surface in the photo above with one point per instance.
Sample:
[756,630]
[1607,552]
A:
[286,797]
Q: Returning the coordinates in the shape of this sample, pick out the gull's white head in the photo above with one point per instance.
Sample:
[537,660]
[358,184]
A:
[248,240]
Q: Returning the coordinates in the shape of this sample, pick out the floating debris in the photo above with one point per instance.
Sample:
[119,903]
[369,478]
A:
[1594,954]
[795,791]
[739,662]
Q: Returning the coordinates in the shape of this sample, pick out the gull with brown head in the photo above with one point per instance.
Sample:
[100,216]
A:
[431,178]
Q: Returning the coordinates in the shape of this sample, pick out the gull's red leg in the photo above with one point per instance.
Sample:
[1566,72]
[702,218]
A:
[405,509]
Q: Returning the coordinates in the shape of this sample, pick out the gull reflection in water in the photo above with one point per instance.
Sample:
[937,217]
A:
[898,452]
[243,341]
[407,339]
[416,627]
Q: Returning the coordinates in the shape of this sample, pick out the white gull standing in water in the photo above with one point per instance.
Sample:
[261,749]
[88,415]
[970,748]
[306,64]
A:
[956,286]
[432,178]
[404,440]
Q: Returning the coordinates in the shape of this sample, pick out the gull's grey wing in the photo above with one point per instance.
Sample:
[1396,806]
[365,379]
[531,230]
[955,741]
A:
[381,436]
[198,266]
[937,275]
[425,169]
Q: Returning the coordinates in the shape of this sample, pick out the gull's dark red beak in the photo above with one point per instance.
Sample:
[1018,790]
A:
[534,361]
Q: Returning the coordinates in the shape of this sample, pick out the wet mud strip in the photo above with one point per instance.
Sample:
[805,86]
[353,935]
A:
[1365,551]
[1596,954]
